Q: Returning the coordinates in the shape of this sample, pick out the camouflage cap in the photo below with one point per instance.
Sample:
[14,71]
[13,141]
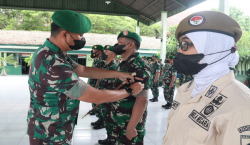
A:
[99,47]
[131,35]
[72,21]
[212,21]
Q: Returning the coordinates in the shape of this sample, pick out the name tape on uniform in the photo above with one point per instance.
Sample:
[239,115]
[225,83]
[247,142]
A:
[199,119]
[211,91]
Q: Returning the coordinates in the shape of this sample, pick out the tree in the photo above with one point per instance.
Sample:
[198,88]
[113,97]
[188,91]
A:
[28,59]
[9,59]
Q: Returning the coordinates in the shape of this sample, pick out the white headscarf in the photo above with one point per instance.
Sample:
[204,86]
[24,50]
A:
[207,43]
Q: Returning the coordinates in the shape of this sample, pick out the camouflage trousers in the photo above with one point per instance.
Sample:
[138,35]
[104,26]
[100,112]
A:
[168,92]
[97,111]
[160,80]
[35,141]
[154,88]
[118,116]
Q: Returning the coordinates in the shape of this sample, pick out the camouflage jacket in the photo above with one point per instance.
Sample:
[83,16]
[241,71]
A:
[155,67]
[97,63]
[52,112]
[135,64]
[248,78]
[107,83]
[169,71]
[187,78]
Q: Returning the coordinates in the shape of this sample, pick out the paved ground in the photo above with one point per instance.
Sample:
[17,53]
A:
[14,102]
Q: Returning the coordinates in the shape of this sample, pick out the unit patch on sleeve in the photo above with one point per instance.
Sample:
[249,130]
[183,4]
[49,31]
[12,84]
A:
[213,105]
[244,128]
[211,91]
[175,105]
[245,140]
[199,119]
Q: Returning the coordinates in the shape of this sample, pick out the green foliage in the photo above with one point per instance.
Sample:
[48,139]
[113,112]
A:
[171,41]
[9,59]
[11,19]
[28,59]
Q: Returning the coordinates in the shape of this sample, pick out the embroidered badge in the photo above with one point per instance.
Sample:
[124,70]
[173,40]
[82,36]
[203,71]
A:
[200,120]
[125,33]
[108,46]
[244,128]
[213,105]
[95,47]
[211,91]
[175,105]
[245,140]
[196,20]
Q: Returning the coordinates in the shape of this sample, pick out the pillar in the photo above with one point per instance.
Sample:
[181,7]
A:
[224,6]
[163,34]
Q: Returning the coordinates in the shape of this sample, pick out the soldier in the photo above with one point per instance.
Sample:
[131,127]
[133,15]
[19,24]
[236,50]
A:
[161,74]
[247,80]
[128,116]
[96,54]
[169,83]
[155,72]
[55,87]
[181,78]
[214,108]
[109,64]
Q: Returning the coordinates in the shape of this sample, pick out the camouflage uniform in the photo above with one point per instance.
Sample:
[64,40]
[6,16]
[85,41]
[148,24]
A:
[98,63]
[121,111]
[106,84]
[169,92]
[248,78]
[155,67]
[187,78]
[161,76]
[52,113]
[181,78]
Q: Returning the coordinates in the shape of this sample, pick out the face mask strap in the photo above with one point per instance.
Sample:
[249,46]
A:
[232,51]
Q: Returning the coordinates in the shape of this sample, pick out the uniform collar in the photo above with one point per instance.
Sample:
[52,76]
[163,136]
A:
[52,46]
[132,57]
[213,90]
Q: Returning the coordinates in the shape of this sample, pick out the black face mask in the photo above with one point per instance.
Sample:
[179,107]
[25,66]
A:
[79,44]
[118,49]
[93,55]
[104,56]
[188,64]
[167,61]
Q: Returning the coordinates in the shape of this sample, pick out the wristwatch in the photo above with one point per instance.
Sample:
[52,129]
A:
[130,91]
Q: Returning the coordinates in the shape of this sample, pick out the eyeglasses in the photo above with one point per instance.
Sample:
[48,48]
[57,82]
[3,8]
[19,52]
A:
[183,45]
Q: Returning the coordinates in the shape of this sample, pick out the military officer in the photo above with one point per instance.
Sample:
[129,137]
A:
[155,72]
[54,83]
[161,76]
[96,54]
[214,108]
[169,83]
[128,116]
[109,64]
[247,80]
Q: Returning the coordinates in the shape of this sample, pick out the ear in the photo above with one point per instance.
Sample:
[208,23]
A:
[63,34]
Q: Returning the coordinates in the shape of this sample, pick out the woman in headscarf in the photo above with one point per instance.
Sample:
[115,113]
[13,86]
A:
[214,108]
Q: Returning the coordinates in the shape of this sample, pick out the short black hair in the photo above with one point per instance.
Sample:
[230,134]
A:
[55,29]
[137,43]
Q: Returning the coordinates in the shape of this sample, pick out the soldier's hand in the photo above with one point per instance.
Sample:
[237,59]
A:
[131,133]
[124,76]
[137,88]
[171,85]
[155,80]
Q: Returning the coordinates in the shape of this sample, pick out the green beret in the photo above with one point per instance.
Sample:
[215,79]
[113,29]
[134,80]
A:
[171,57]
[156,56]
[212,21]
[72,21]
[99,47]
[108,47]
[160,59]
[131,35]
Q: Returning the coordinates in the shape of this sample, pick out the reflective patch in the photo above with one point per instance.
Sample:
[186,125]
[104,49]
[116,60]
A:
[213,105]
[175,105]
[244,128]
[245,140]
[200,120]
[211,91]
